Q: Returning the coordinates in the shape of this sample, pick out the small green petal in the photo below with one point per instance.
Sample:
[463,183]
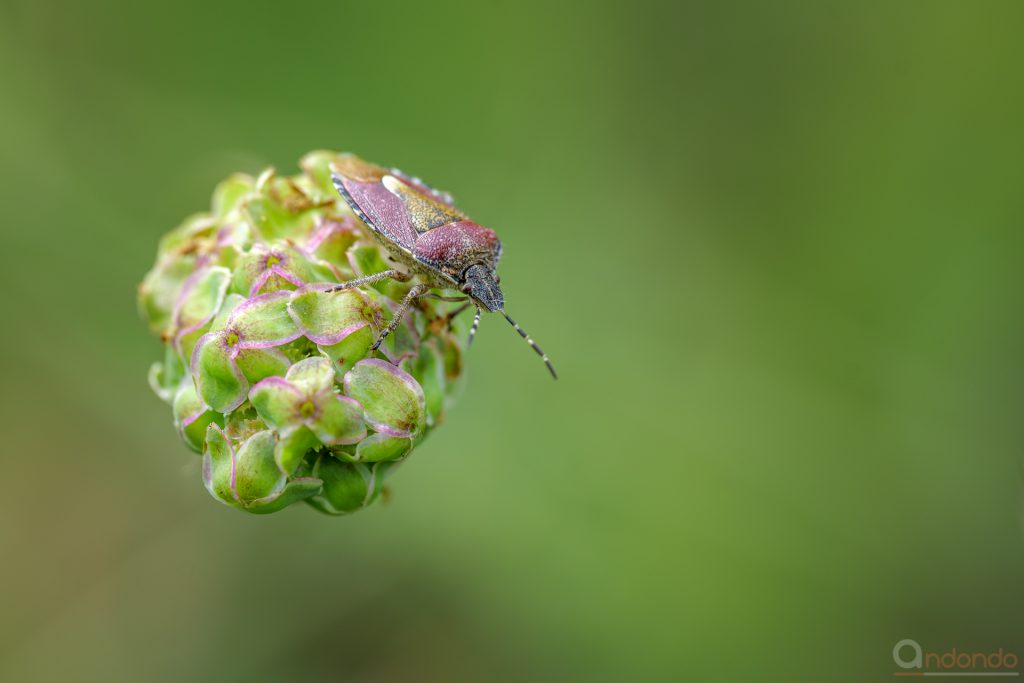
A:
[258,364]
[243,423]
[198,225]
[346,486]
[340,421]
[367,260]
[428,368]
[381,471]
[378,447]
[274,221]
[203,298]
[453,374]
[156,377]
[316,165]
[231,302]
[392,400]
[191,417]
[294,491]
[277,401]
[405,339]
[292,448]
[270,220]
[256,472]
[330,242]
[186,343]
[263,321]
[220,383]
[158,292]
[218,463]
[328,317]
[349,350]
[165,377]
[230,190]
[313,375]
[247,268]
[231,236]
[305,269]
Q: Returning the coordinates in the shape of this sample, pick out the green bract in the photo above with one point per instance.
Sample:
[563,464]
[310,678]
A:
[269,374]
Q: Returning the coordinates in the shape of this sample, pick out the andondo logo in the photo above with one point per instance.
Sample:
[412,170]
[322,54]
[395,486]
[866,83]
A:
[913,660]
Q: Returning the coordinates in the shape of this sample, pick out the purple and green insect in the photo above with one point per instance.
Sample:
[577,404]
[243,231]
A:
[427,237]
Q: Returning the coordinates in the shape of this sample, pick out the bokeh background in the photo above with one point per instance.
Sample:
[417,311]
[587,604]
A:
[773,248]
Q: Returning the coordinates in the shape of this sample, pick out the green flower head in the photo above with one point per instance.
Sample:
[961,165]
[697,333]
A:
[269,373]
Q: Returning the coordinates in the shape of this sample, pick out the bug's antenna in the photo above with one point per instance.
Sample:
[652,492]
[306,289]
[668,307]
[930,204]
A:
[532,344]
[472,330]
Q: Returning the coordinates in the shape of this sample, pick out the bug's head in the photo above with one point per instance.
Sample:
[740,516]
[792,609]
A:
[482,285]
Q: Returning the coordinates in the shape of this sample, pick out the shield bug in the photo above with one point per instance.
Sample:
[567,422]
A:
[428,237]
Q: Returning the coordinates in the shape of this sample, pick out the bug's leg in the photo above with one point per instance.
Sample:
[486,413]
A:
[416,292]
[383,275]
[533,344]
[452,314]
[472,330]
[444,322]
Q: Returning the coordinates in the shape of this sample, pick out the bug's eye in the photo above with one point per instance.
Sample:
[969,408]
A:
[497,278]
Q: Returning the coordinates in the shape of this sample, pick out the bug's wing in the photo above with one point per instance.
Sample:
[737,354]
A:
[423,188]
[352,167]
[425,210]
[359,183]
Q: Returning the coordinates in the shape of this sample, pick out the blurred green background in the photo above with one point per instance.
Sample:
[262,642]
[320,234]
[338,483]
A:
[774,250]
